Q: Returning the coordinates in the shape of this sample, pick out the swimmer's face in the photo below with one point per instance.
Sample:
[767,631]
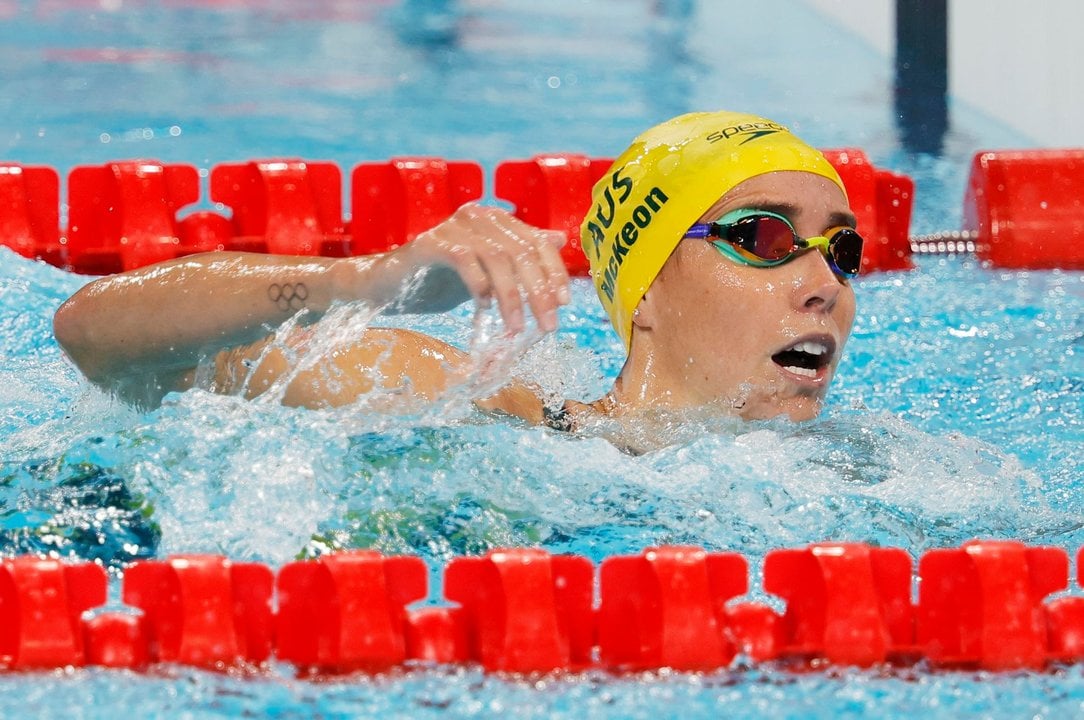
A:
[764,341]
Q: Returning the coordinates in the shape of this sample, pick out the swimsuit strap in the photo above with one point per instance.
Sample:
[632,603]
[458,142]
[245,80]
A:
[558,419]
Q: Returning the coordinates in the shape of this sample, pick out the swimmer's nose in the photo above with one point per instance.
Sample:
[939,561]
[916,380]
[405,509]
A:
[816,287]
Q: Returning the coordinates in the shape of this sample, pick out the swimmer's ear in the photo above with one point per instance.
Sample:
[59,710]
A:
[644,315]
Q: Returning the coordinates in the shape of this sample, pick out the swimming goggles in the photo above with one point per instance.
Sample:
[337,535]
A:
[765,239]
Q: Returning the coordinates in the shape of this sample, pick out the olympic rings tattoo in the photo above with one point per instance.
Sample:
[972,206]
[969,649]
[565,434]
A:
[288,296]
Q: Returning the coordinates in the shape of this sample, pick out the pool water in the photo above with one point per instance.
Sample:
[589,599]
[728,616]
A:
[956,411]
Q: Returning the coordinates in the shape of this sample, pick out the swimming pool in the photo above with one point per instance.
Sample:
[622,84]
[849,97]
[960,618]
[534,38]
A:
[956,412]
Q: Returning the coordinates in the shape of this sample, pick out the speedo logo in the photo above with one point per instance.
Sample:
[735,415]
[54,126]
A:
[618,194]
[748,131]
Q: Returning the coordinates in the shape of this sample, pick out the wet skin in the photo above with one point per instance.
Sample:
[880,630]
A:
[709,331]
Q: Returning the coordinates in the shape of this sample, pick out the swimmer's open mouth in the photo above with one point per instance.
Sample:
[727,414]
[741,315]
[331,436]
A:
[807,357]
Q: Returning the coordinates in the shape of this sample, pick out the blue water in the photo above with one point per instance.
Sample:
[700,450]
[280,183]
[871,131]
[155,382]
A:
[956,414]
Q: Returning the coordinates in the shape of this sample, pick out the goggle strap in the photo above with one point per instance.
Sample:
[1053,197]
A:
[700,231]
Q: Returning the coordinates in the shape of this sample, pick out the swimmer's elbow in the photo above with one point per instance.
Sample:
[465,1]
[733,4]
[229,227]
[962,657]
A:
[85,343]
[83,346]
[75,336]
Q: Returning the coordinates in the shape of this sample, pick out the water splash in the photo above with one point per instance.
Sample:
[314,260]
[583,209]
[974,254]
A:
[257,480]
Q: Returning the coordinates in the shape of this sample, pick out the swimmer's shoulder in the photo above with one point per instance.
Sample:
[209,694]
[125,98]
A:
[380,359]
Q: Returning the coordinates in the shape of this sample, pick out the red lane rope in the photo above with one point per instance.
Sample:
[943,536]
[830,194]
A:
[1021,208]
[985,605]
[127,214]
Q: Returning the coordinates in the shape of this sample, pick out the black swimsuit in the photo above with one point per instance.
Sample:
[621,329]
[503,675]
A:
[558,419]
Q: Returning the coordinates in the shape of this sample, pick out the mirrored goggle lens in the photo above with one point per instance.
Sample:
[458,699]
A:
[845,248]
[766,237]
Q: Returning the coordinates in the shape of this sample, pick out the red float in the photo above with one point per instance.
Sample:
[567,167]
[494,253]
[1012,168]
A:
[285,206]
[981,605]
[1027,208]
[203,609]
[667,608]
[881,202]
[553,192]
[525,610]
[29,210]
[1065,621]
[123,215]
[41,602]
[437,635]
[346,611]
[846,602]
[756,630]
[117,640]
[393,202]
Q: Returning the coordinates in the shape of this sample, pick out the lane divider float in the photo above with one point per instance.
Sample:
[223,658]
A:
[1026,208]
[1022,208]
[130,213]
[985,605]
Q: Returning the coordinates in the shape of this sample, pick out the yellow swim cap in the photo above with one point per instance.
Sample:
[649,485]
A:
[663,183]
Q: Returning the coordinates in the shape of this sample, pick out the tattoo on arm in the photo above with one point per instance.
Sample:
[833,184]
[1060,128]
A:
[288,296]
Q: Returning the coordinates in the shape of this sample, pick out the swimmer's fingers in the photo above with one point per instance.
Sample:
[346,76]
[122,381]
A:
[495,255]
[464,260]
[453,243]
[471,245]
[501,272]
[536,265]
[546,245]
[538,268]
[557,270]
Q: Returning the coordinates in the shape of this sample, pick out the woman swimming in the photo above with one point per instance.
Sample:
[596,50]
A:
[720,245]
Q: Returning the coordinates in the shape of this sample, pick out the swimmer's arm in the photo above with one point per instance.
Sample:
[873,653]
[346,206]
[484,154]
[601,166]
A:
[158,321]
[149,327]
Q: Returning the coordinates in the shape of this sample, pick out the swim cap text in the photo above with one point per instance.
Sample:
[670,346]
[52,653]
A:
[604,215]
[753,130]
[642,215]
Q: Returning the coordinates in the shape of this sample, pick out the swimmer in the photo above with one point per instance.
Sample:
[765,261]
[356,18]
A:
[721,247]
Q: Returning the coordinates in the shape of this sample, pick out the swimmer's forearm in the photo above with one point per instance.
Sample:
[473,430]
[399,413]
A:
[165,317]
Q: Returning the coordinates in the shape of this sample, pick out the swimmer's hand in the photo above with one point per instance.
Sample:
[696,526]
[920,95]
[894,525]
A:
[484,253]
